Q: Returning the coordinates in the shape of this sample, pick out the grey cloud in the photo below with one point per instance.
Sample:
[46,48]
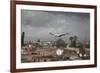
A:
[38,24]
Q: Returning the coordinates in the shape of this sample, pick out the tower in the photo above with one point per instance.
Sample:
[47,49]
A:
[22,38]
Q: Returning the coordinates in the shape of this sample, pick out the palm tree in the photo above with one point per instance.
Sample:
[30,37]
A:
[75,40]
[71,39]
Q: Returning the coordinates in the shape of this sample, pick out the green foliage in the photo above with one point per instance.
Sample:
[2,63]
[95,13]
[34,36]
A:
[73,40]
[60,43]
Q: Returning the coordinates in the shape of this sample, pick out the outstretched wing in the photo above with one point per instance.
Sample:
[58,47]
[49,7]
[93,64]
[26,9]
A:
[51,33]
[63,34]
[54,34]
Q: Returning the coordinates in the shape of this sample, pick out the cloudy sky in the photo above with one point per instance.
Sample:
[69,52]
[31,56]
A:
[38,24]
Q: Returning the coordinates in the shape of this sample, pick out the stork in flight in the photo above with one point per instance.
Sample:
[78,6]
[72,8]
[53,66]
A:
[59,35]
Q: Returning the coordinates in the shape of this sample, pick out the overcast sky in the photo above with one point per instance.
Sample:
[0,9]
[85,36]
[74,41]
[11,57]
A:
[38,24]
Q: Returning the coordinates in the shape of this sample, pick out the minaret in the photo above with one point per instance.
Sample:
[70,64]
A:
[22,38]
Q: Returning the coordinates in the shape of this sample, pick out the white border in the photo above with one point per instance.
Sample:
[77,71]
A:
[20,65]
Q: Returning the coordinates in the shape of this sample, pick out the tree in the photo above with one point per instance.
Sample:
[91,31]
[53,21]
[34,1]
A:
[71,39]
[38,40]
[60,43]
[75,38]
[75,41]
